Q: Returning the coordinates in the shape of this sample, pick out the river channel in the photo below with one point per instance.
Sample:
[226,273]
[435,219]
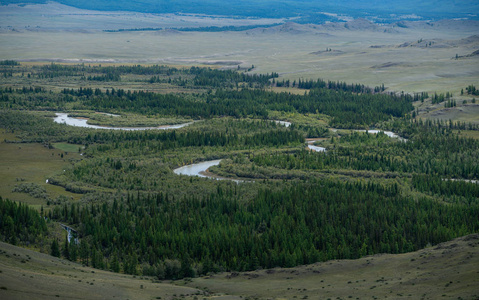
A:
[200,169]
[375,131]
[315,148]
[63,118]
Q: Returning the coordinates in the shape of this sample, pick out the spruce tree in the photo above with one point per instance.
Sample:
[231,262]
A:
[66,248]
[55,249]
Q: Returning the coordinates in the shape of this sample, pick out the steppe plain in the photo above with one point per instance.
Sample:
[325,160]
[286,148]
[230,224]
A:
[409,56]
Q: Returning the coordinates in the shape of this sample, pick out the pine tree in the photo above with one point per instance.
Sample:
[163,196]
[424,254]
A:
[186,269]
[84,252]
[115,264]
[73,251]
[66,248]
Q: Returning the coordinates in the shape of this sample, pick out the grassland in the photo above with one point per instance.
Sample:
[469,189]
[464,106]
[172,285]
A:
[359,55]
[469,133]
[29,274]
[67,147]
[32,163]
[301,119]
[463,113]
[446,271]
[413,70]
[128,82]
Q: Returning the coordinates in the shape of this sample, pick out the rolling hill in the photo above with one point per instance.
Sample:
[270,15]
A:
[447,271]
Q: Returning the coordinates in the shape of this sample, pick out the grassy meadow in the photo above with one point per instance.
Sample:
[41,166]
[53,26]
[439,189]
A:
[33,163]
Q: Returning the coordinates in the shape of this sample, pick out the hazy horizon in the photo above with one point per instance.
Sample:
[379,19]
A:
[304,10]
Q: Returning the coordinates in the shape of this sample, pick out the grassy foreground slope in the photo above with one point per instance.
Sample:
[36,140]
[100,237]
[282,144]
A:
[445,271]
[27,274]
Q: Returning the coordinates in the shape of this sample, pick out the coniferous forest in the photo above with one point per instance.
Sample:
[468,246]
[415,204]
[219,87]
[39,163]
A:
[367,193]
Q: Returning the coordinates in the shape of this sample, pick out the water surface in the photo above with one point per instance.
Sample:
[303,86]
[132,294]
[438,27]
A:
[198,169]
[284,123]
[63,118]
[316,148]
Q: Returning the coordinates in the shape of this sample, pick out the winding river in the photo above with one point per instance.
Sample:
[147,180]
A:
[463,180]
[388,133]
[315,148]
[284,123]
[63,118]
[375,131]
[198,169]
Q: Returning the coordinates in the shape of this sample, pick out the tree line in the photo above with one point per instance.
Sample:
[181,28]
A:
[20,224]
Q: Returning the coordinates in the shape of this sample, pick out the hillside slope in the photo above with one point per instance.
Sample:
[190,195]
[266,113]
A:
[445,271]
[26,274]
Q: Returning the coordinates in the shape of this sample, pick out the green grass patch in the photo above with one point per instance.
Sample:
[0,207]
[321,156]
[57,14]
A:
[468,133]
[68,147]
[314,120]
[31,163]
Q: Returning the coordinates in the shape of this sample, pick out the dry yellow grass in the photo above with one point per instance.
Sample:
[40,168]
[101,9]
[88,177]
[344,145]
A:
[25,274]
[105,64]
[445,271]
[468,113]
[294,91]
[293,56]
[468,133]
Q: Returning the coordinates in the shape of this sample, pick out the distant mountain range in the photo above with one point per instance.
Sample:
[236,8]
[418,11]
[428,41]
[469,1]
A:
[307,11]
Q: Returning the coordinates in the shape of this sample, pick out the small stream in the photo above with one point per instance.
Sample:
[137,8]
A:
[72,234]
